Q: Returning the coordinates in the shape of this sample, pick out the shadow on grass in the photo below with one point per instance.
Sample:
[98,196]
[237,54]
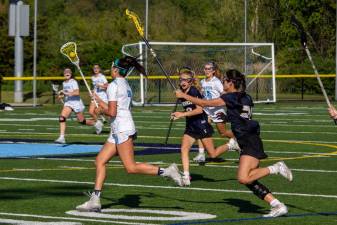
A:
[196,177]
[42,192]
[245,206]
[135,201]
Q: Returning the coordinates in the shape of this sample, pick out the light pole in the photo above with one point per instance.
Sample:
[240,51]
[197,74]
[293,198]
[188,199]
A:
[34,54]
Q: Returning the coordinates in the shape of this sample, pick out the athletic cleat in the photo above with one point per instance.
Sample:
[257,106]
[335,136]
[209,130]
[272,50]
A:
[284,170]
[98,126]
[173,172]
[200,158]
[279,210]
[60,140]
[233,145]
[93,205]
[186,180]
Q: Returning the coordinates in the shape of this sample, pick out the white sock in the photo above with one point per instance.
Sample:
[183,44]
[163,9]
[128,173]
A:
[186,174]
[202,150]
[273,169]
[274,202]
[61,135]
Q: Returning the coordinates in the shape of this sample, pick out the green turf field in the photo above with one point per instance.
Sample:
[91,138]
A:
[48,189]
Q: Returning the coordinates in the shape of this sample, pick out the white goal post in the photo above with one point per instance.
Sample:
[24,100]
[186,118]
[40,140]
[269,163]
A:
[257,59]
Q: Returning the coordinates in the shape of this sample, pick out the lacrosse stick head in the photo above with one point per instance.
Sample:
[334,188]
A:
[69,50]
[55,87]
[134,17]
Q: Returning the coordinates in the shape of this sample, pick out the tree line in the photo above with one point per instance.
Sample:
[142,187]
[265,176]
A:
[100,28]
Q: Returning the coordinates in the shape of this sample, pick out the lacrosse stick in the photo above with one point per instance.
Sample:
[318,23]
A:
[55,88]
[134,17]
[69,50]
[303,35]
[171,122]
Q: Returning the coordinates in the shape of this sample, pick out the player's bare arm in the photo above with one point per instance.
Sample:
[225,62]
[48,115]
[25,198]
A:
[199,101]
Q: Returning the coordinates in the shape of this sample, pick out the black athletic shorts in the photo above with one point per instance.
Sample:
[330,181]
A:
[200,133]
[251,144]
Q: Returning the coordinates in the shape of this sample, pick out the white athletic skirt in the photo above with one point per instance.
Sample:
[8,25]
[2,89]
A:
[76,106]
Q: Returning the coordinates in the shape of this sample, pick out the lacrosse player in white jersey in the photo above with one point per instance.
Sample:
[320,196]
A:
[100,85]
[72,102]
[212,87]
[123,132]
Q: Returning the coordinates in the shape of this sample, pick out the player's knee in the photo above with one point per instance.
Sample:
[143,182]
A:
[131,169]
[62,119]
[84,122]
[258,189]
[243,180]
[99,162]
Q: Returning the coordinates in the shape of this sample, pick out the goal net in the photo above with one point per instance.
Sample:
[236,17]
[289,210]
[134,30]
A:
[255,60]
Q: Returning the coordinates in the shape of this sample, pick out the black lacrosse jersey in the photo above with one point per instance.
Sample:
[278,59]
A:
[239,112]
[197,122]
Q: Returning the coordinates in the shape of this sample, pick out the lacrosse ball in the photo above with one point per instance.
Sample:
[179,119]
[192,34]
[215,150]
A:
[72,54]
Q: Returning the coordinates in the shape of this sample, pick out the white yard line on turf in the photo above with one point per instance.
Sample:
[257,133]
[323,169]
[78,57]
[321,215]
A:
[70,218]
[163,187]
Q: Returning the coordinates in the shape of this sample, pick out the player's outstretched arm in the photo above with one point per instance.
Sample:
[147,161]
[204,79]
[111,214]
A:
[199,101]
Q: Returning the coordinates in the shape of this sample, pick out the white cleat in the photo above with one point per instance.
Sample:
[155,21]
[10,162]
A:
[284,171]
[60,140]
[279,210]
[200,158]
[173,172]
[98,126]
[233,145]
[93,205]
[186,180]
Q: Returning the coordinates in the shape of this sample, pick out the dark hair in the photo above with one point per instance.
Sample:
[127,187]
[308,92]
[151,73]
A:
[126,63]
[237,78]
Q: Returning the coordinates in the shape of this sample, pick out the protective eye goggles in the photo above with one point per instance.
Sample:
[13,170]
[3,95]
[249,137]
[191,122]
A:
[188,80]
[208,68]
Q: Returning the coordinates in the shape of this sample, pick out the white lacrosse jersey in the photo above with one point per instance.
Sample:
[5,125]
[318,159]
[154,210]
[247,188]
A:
[120,91]
[73,102]
[99,79]
[212,89]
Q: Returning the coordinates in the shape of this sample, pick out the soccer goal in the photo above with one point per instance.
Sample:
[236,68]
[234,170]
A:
[255,60]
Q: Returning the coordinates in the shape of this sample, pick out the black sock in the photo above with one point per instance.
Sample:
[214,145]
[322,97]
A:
[160,171]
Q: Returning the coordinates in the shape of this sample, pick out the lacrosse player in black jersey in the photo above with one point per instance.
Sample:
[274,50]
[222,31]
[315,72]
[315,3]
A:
[197,126]
[247,132]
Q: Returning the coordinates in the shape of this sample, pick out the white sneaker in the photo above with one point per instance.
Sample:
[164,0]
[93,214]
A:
[60,140]
[93,205]
[173,172]
[200,158]
[233,145]
[186,180]
[279,210]
[98,126]
[284,171]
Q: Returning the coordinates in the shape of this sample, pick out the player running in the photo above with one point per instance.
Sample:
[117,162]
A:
[122,134]
[213,88]
[197,126]
[100,85]
[72,102]
[247,132]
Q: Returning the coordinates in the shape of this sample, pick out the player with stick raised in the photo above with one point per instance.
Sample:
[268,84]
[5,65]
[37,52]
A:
[122,134]
[247,132]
